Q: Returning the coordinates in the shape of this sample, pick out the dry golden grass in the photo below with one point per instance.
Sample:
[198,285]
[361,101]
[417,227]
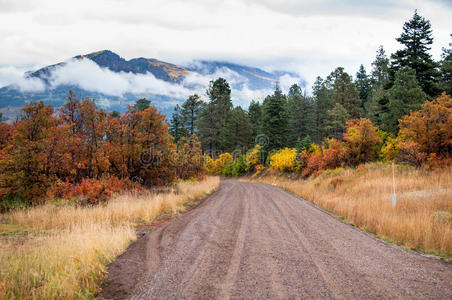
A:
[66,254]
[422,219]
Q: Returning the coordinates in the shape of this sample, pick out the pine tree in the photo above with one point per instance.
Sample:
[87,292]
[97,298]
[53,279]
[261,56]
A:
[344,92]
[299,145]
[274,120]
[446,70]
[380,70]
[208,131]
[177,128]
[255,114]
[417,38]
[301,117]
[379,79]
[238,131]
[215,115]
[306,143]
[405,95]
[142,104]
[190,111]
[323,102]
[335,124]
[363,87]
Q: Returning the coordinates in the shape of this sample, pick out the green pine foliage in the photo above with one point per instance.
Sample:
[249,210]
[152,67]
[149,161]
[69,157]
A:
[335,124]
[238,131]
[344,92]
[255,114]
[215,115]
[190,113]
[323,102]
[416,39]
[274,120]
[362,83]
[142,104]
[177,128]
[446,70]
[301,115]
[405,95]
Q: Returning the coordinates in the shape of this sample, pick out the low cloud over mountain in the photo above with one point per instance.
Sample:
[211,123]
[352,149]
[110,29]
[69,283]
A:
[115,82]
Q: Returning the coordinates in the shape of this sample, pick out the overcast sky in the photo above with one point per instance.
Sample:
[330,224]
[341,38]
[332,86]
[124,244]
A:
[310,37]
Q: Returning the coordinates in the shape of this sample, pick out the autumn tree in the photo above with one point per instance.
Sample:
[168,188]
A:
[188,160]
[360,140]
[446,70]
[431,127]
[26,172]
[149,147]
[6,132]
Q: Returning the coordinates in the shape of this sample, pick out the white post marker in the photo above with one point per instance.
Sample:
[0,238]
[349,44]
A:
[394,196]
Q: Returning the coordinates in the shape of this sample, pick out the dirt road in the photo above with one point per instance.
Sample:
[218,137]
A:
[255,241]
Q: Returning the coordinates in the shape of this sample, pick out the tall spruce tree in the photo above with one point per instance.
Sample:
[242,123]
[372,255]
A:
[335,123]
[190,111]
[416,39]
[207,129]
[363,86]
[379,79]
[446,70]
[322,102]
[301,117]
[255,114]
[274,120]
[380,70]
[177,128]
[238,131]
[215,115]
[405,95]
[344,92]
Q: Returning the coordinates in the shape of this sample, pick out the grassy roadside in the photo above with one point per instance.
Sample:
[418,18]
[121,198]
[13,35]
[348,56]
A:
[422,219]
[51,251]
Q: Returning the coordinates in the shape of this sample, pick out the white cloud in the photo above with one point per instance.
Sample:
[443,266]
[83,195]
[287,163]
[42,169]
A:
[310,37]
[286,81]
[10,75]
[89,76]
[194,78]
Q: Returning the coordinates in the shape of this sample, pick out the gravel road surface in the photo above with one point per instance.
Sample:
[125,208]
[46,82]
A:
[256,241]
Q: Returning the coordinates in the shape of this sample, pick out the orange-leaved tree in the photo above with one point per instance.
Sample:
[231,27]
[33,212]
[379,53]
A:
[26,170]
[429,130]
[361,141]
